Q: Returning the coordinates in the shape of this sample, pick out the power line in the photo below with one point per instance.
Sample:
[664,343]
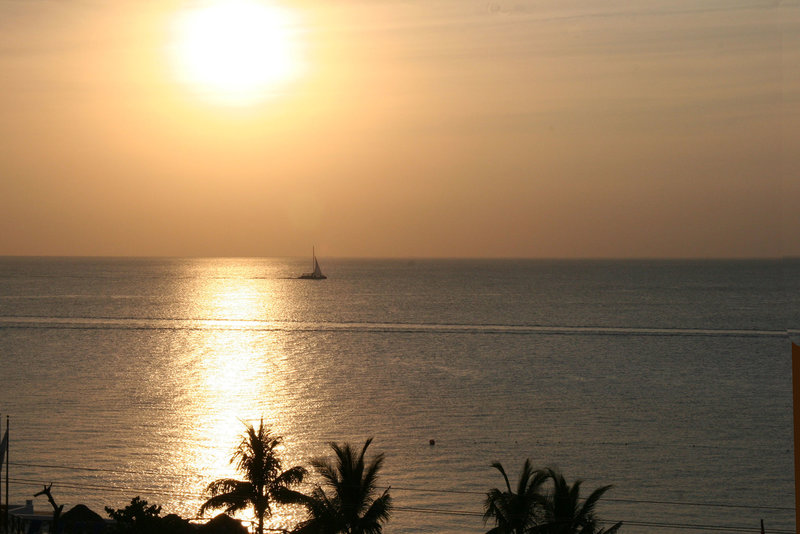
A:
[432,490]
[411,509]
[652,524]
[717,528]
[705,504]
[435,511]
[96,469]
[115,489]
[630,501]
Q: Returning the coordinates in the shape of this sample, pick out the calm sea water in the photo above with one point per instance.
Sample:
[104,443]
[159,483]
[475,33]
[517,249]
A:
[670,380]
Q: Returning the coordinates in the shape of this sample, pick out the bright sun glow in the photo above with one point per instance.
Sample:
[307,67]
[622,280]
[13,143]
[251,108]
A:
[235,52]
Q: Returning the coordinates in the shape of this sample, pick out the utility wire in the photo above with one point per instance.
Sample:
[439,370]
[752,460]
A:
[97,469]
[429,490]
[411,509]
[630,501]
[651,524]
[717,528]
[146,491]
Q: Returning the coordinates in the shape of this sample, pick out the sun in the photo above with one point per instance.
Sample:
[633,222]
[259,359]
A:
[235,52]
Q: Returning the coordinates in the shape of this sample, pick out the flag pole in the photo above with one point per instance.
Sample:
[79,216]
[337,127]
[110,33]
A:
[796,410]
[1,487]
[8,447]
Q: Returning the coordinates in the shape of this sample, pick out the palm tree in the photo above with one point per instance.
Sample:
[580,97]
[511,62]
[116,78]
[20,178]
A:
[257,459]
[515,512]
[349,506]
[564,511]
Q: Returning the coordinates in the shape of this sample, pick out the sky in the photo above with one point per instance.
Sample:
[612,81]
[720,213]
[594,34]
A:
[401,128]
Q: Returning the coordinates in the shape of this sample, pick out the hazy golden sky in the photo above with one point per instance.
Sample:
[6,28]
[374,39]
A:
[515,128]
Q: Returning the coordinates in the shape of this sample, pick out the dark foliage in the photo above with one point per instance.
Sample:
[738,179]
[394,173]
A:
[140,518]
[516,512]
[350,505]
[532,509]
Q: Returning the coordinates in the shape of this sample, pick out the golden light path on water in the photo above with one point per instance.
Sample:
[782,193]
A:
[141,388]
[239,376]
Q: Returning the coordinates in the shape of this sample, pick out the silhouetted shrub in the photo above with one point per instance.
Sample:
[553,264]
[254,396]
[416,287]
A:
[140,518]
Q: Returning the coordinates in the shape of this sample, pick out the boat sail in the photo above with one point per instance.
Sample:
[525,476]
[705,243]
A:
[316,274]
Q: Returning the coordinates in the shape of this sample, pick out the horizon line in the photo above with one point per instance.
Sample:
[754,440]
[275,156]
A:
[347,257]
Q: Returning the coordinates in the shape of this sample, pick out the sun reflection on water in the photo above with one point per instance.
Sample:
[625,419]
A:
[239,376]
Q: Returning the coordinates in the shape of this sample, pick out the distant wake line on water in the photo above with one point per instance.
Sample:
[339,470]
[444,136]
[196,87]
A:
[81,323]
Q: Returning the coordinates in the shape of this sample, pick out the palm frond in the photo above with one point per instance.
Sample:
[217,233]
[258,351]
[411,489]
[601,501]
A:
[499,467]
[564,513]
[524,477]
[227,485]
[290,477]
[494,505]
[369,478]
[309,526]
[612,529]
[515,512]
[591,501]
[284,495]
[379,511]
[323,516]
[232,501]
[327,470]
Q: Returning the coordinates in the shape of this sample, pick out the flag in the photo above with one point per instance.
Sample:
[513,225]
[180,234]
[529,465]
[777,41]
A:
[3,449]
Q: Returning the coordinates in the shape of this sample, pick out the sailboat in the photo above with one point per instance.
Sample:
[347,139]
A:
[316,274]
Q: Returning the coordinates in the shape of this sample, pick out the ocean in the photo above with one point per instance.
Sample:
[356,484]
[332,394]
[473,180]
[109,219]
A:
[670,380]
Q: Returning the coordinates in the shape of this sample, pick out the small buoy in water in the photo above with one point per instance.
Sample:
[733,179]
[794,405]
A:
[432,442]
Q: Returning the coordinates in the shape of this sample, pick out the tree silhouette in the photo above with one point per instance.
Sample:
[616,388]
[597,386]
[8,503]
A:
[349,505]
[566,513]
[515,512]
[257,460]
